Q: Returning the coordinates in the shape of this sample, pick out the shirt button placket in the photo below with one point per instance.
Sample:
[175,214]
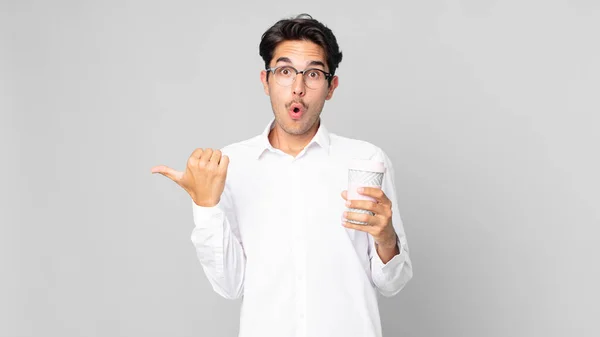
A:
[299,247]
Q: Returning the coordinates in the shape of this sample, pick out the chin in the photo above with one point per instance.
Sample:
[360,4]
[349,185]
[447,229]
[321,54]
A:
[293,127]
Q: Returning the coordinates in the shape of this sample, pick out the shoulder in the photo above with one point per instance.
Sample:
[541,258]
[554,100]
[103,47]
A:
[241,148]
[357,149]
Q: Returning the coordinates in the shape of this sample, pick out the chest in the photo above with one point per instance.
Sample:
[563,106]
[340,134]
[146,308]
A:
[277,204]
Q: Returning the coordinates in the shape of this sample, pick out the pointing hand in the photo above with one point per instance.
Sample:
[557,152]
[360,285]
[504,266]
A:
[204,176]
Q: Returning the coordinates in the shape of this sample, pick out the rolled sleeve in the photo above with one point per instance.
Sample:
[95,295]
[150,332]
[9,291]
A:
[391,277]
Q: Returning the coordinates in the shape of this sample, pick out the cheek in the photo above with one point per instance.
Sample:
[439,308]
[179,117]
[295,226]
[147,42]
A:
[319,98]
[277,97]
[282,95]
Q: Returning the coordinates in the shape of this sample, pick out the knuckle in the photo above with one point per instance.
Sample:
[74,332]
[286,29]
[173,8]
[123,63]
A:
[197,153]
[207,153]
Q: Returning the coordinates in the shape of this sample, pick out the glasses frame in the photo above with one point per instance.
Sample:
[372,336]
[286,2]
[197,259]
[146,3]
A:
[272,70]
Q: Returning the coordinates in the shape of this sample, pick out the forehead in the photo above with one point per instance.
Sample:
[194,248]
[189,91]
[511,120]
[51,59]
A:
[299,52]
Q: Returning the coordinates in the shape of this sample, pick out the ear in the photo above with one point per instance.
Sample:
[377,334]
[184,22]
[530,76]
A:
[263,79]
[332,87]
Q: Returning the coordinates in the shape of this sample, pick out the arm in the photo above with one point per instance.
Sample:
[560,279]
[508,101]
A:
[219,247]
[391,268]
[215,234]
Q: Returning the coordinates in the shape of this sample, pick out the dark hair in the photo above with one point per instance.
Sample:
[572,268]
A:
[302,27]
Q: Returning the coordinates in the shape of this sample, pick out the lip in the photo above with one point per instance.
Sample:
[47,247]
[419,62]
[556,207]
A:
[296,115]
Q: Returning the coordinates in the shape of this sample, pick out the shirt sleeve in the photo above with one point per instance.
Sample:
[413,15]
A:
[391,277]
[219,247]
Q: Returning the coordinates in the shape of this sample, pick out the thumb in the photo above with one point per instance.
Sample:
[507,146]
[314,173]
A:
[168,172]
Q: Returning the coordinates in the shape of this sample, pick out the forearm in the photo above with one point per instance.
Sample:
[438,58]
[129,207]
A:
[387,251]
[219,251]
[391,267]
[391,275]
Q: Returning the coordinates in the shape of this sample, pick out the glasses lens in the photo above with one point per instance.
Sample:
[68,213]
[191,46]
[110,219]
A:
[314,78]
[285,75]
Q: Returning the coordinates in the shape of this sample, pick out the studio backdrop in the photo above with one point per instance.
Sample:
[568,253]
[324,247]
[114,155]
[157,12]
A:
[488,110]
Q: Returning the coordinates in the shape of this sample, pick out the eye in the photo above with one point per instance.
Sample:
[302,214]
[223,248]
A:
[314,74]
[285,71]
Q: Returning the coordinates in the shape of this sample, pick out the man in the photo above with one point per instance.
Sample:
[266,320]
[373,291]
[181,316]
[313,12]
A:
[269,210]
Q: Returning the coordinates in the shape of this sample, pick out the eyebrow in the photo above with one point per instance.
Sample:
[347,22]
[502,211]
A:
[311,63]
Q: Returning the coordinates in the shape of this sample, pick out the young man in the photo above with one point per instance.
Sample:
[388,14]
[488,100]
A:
[269,211]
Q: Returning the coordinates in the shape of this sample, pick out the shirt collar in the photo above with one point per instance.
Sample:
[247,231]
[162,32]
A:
[321,138]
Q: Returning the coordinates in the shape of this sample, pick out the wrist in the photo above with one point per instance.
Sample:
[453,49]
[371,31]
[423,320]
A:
[206,203]
[390,242]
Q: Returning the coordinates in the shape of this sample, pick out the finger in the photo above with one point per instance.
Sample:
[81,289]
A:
[362,217]
[197,153]
[194,157]
[224,164]
[375,192]
[205,158]
[214,159]
[345,194]
[365,204]
[216,156]
[168,172]
[362,228]
[380,209]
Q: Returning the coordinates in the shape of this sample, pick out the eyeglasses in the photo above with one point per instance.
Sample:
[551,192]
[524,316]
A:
[313,78]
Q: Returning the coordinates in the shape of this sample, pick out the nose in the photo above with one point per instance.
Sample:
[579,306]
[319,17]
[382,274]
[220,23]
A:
[298,87]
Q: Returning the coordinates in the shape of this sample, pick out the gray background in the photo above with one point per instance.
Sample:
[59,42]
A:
[488,109]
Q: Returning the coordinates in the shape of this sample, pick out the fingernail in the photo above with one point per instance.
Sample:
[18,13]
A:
[345,214]
[348,203]
[360,189]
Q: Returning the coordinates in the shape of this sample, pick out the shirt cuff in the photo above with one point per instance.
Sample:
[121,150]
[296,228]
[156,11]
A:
[203,214]
[395,261]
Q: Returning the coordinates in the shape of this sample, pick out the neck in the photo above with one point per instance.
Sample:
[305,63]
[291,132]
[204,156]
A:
[289,143]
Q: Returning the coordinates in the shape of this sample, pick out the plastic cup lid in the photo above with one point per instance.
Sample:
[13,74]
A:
[367,165]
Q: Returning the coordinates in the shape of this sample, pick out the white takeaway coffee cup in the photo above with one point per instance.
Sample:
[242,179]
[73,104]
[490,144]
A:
[363,173]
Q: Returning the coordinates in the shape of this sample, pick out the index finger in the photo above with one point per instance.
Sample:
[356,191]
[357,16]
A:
[375,192]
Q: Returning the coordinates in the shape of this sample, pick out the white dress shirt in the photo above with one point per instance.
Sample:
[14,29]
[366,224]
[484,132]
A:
[276,239]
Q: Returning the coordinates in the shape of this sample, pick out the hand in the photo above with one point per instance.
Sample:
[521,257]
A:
[379,225]
[204,176]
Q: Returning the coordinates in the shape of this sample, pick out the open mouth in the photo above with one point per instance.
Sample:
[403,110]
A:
[296,111]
